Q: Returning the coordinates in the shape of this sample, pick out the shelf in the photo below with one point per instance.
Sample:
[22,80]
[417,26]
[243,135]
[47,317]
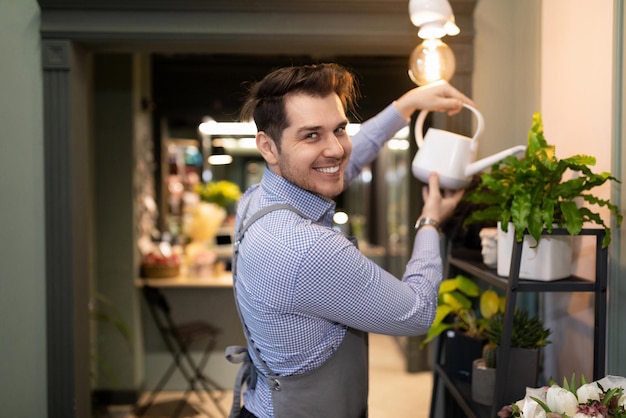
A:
[512,285]
[488,275]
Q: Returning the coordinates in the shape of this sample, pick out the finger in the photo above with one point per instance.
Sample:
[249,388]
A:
[433,182]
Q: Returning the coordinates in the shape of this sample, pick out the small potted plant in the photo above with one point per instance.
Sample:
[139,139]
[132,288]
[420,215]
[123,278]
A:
[528,335]
[531,194]
[457,315]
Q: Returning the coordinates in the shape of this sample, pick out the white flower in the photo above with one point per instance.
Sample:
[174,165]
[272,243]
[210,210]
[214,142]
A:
[621,402]
[588,392]
[529,407]
[562,401]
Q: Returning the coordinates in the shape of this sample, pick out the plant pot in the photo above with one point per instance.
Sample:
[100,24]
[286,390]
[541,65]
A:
[550,260]
[483,382]
[523,372]
[460,353]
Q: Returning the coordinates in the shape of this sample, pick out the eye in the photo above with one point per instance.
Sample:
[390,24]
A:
[312,135]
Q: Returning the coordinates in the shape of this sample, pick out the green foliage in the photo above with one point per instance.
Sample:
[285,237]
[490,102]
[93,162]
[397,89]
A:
[527,332]
[456,301]
[532,194]
[104,311]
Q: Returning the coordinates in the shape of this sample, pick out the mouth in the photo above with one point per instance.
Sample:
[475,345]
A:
[328,170]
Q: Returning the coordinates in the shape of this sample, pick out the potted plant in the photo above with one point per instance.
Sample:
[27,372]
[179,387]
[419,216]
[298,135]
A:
[531,194]
[457,314]
[528,335]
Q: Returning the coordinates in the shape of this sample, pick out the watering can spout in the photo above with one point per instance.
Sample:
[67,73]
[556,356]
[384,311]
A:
[480,165]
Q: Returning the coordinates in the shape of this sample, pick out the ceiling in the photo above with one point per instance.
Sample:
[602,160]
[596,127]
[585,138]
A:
[187,87]
[203,52]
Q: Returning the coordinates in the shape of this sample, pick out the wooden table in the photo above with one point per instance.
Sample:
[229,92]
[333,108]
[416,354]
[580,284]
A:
[224,279]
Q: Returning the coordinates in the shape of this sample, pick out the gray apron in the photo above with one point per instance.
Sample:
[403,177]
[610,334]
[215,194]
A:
[336,389]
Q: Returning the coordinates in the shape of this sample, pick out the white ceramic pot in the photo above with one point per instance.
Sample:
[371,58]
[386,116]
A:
[550,260]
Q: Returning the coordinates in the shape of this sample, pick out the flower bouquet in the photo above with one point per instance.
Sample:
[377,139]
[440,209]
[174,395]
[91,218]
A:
[222,193]
[604,398]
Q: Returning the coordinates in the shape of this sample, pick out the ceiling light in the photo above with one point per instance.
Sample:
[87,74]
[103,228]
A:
[218,154]
[434,18]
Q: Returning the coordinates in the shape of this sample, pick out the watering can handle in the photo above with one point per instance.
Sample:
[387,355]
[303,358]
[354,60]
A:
[419,126]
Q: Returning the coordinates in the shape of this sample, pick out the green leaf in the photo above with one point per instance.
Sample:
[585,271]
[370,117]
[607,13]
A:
[457,301]
[489,303]
[573,219]
[435,331]
[541,403]
[442,312]
[536,224]
[448,286]
[467,286]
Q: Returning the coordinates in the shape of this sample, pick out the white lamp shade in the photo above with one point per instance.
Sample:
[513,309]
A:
[434,18]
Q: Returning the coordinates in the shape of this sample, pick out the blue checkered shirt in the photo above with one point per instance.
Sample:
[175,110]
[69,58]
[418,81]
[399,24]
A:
[300,283]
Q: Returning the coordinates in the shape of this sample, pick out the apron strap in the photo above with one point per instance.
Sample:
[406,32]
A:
[248,373]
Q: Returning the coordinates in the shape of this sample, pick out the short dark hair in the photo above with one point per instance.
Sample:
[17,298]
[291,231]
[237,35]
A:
[266,99]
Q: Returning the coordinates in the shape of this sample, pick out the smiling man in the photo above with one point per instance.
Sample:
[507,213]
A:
[306,296]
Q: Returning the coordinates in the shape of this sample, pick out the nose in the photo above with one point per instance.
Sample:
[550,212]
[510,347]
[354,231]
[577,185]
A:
[334,147]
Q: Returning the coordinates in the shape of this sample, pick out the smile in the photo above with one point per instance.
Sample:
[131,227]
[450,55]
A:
[328,170]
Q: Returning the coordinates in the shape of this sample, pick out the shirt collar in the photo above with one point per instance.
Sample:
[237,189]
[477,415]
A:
[278,189]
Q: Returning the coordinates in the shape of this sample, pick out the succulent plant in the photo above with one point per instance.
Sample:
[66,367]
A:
[527,332]
[489,355]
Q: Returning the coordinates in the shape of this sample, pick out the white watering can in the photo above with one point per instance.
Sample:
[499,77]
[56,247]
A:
[452,155]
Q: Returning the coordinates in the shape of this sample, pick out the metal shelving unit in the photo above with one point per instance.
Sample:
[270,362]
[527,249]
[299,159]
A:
[460,390]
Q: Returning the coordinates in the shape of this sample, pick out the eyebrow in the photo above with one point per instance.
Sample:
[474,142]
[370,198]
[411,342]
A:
[304,129]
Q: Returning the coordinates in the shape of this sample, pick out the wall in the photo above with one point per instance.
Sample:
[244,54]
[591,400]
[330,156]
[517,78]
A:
[22,286]
[577,120]
[506,78]
[617,339]
[537,56]
[116,122]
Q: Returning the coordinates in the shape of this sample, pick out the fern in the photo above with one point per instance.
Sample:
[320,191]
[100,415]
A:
[532,194]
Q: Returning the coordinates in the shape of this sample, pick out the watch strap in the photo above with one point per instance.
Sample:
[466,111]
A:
[427,221]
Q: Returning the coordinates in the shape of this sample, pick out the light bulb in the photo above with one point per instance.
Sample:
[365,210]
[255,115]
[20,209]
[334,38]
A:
[431,61]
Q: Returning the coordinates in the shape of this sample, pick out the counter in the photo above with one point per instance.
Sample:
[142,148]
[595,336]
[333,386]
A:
[224,279]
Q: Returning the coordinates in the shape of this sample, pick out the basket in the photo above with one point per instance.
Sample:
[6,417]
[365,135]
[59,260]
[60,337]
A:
[159,271]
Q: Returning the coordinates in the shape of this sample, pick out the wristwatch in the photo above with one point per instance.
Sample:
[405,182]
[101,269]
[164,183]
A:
[427,221]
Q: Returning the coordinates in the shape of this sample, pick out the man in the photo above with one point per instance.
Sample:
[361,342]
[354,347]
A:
[306,295]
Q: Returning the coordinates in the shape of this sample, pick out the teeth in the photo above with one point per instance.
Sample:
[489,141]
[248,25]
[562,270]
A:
[329,170]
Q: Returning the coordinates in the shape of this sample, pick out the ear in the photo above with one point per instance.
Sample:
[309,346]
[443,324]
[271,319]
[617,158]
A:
[267,148]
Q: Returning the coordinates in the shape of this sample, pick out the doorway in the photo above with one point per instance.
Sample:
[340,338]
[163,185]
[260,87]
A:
[70,37]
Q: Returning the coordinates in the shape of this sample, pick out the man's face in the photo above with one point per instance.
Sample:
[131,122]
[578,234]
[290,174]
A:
[315,147]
